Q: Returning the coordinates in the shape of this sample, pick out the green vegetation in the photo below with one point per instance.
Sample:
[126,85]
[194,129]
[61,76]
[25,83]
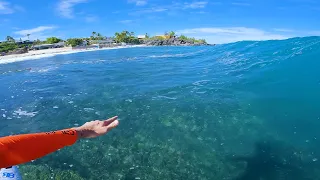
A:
[8,46]
[157,38]
[170,34]
[193,40]
[52,40]
[96,36]
[119,37]
[126,37]
[73,42]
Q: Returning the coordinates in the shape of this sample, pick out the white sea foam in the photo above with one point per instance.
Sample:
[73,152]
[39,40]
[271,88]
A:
[164,97]
[53,52]
[44,69]
[25,58]
[201,83]
[88,109]
[19,112]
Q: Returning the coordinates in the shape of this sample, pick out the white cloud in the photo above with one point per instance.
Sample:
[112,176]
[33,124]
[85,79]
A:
[150,10]
[240,4]
[219,35]
[138,2]
[314,33]
[5,8]
[91,19]
[65,7]
[40,32]
[128,21]
[200,12]
[195,5]
[34,30]
[283,30]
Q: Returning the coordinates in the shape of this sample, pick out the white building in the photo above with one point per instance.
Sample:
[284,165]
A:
[141,36]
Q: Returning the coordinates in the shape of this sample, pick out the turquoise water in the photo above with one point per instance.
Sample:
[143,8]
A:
[247,110]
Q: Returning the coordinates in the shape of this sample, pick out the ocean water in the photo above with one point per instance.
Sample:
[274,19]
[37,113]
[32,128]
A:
[240,111]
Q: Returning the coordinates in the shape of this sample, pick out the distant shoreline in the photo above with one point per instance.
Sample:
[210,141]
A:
[38,54]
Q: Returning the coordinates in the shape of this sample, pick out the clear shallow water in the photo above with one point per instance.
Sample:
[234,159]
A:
[186,112]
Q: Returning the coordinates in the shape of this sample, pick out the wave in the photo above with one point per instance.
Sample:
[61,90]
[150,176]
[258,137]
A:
[25,58]
[176,55]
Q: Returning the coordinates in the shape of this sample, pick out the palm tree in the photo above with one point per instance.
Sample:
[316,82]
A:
[10,39]
[28,36]
[94,33]
[172,34]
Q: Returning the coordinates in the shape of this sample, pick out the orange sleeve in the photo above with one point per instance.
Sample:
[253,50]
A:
[23,148]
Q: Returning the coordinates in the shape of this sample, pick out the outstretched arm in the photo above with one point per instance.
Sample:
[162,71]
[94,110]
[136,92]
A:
[23,148]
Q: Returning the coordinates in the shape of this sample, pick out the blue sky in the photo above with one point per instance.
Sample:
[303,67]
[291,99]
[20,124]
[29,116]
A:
[217,21]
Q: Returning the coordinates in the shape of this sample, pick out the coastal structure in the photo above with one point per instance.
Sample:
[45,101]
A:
[141,36]
[48,46]
[26,42]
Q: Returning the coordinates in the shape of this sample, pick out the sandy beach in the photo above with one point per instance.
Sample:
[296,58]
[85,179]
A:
[38,54]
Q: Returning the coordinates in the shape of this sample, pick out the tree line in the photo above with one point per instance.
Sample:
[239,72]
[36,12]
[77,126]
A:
[119,37]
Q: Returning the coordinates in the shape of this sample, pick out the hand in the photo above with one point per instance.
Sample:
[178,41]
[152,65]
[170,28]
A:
[96,128]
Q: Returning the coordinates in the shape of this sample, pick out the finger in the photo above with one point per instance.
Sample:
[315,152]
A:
[113,125]
[109,121]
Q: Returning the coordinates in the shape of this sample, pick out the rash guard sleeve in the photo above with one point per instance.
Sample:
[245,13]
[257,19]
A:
[23,148]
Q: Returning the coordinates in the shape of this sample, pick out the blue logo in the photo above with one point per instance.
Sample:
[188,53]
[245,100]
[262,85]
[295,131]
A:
[8,175]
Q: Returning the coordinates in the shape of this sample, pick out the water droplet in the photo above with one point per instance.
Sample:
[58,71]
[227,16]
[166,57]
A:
[307,141]
[3,115]
[71,165]
[55,107]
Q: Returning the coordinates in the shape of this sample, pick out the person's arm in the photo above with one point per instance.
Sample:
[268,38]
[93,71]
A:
[23,148]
